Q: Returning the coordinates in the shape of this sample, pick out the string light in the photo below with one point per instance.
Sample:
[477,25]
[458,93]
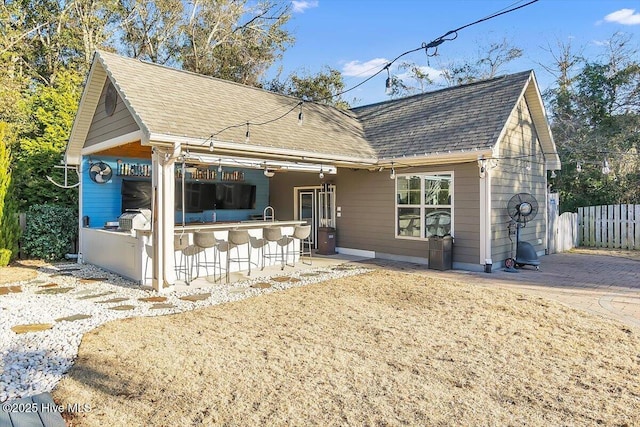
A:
[605,167]
[393,172]
[211,146]
[219,165]
[321,174]
[389,82]
[300,116]
[578,167]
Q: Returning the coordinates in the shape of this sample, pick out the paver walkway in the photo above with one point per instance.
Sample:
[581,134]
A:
[605,285]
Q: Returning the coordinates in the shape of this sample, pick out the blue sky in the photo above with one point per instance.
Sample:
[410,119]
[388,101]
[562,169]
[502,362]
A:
[354,36]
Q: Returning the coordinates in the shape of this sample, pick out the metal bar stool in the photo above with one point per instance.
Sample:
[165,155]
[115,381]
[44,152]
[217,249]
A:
[180,244]
[239,238]
[303,233]
[202,241]
[274,234]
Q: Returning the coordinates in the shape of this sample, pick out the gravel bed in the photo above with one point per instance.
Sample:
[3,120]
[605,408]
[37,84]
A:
[34,362]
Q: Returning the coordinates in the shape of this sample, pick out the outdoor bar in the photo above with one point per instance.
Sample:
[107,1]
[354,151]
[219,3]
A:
[209,196]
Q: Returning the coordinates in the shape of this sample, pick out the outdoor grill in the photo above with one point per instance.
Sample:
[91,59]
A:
[135,219]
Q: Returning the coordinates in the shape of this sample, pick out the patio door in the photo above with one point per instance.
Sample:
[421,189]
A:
[307,212]
[316,206]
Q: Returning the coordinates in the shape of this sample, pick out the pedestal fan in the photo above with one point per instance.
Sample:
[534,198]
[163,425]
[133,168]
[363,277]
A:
[521,208]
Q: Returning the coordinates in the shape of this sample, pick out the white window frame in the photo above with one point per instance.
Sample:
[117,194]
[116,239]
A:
[422,204]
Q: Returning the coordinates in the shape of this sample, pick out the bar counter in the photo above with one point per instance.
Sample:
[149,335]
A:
[126,253]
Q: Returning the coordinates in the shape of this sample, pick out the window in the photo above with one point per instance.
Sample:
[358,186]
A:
[424,205]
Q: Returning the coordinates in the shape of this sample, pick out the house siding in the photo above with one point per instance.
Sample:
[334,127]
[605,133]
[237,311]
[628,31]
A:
[519,150]
[367,202]
[104,127]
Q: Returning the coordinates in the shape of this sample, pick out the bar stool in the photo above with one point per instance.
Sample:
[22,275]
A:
[303,233]
[274,234]
[239,238]
[202,241]
[259,244]
[180,244]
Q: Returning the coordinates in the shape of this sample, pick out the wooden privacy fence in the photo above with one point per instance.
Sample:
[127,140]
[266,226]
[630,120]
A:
[610,226]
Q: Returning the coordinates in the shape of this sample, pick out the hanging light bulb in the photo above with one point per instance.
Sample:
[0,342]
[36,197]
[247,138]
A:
[211,146]
[246,135]
[578,167]
[267,172]
[300,116]
[389,82]
[321,175]
[393,172]
[605,167]
[219,165]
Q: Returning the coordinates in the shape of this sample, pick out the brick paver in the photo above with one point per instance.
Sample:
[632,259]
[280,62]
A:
[605,285]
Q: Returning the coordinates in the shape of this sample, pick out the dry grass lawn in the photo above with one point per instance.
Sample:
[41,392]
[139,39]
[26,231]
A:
[20,271]
[384,348]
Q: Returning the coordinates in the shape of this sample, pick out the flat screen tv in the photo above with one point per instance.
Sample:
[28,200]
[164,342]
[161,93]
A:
[136,194]
[235,196]
[198,196]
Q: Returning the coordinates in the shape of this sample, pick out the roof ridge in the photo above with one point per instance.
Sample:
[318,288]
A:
[449,88]
[194,74]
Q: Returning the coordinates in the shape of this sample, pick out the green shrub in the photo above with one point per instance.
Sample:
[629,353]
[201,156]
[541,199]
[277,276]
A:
[5,257]
[50,231]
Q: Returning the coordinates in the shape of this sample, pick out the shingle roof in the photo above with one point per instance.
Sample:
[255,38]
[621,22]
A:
[458,118]
[168,103]
[174,102]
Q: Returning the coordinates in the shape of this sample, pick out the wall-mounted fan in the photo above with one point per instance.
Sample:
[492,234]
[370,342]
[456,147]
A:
[521,208]
[100,172]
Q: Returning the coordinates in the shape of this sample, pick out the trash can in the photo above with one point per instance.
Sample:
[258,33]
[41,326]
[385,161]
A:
[440,249]
[326,241]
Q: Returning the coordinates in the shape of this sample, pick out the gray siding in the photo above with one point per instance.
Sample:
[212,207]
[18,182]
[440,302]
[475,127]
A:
[367,201]
[519,149]
[104,127]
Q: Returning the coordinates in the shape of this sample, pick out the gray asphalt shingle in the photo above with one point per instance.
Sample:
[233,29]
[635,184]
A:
[179,103]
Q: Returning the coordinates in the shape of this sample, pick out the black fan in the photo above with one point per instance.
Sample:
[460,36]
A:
[100,172]
[522,207]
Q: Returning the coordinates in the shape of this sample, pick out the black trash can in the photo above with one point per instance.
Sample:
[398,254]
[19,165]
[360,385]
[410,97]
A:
[326,241]
[440,249]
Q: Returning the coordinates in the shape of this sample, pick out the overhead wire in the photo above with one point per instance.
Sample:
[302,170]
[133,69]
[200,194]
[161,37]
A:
[426,46]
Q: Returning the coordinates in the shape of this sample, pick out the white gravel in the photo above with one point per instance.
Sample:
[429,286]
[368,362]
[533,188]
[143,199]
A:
[34,362]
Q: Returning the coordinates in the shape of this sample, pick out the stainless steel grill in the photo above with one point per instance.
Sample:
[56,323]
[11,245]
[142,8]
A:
[135,219]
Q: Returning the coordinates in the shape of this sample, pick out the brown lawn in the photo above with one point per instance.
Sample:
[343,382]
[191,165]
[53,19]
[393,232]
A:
[384,348]
[20,270]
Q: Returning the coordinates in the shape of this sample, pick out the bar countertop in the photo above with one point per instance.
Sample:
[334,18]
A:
[229,225]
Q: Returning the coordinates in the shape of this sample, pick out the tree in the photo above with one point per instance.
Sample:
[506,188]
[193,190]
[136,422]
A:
[488,64]
[595,114]
[324,87]
[52,110]
[150,30]
[9,223]
[234,41]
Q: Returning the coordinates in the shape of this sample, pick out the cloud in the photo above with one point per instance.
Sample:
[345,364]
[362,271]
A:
[299,6]
[433,73]
[624,17]
[363,69]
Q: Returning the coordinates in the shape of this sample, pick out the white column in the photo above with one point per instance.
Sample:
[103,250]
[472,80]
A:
[163,218]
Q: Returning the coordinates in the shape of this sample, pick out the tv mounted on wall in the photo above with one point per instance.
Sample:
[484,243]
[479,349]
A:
[199,196]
